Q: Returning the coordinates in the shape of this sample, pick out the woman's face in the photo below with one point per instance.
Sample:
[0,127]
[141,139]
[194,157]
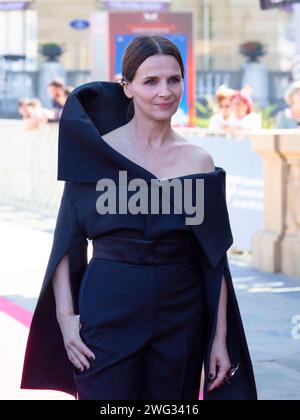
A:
[239,108]
[225,107]
[157,81]
[23,110]
[295,100]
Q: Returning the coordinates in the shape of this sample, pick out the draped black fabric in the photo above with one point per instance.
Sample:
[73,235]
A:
[84,157]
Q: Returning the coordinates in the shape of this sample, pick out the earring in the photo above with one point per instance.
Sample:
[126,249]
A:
[123,82]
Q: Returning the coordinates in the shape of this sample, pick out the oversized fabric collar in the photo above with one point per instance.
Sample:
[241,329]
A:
[96,108]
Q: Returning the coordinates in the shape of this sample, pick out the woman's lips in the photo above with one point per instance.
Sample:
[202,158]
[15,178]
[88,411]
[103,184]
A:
[165,106]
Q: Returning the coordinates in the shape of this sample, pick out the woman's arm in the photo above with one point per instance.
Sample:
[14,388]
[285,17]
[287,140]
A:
[221,330]
[219,360]
[69,322]
[62,290]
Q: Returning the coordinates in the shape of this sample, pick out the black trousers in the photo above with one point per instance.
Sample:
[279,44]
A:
[143,314]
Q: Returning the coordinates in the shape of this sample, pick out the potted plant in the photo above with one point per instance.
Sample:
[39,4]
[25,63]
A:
[252,50]
[51,51]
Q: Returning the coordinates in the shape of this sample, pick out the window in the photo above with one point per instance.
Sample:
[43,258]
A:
[18,36]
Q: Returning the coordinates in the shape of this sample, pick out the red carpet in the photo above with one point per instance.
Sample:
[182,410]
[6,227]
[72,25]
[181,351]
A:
[15,311]
[24,317]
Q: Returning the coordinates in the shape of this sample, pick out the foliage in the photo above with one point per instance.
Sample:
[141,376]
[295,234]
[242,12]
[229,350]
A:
[204,113]
[267,115]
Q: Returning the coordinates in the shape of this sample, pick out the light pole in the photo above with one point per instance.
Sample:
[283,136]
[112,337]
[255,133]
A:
[206,33]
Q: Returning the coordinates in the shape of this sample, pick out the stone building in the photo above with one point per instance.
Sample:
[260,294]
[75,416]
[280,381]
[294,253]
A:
[220,26]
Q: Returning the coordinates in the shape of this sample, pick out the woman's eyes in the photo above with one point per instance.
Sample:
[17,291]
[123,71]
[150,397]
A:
[174,79]
[149,81]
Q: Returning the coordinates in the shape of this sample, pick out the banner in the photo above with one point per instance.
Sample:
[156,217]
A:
[14,5]
[137,5]
[273,4]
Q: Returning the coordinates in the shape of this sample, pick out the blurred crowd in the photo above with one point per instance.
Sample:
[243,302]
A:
[234,112]
[290,116]
[34,114]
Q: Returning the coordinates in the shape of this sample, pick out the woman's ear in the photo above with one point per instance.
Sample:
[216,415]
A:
[127,90]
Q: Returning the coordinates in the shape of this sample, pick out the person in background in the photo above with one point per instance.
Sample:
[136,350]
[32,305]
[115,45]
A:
[57,91]
[246,119]
[224,118]
[61,100]
[290,116]
[68,90]
[22,107]
[32,112]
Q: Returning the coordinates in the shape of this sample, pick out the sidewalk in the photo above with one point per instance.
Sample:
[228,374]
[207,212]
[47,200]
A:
[267,303]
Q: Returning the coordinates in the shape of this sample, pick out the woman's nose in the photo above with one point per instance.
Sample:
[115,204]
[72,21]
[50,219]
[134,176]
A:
[164,89]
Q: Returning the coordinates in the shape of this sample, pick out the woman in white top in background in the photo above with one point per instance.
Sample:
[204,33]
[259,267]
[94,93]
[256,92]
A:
[247,120]
[224,117]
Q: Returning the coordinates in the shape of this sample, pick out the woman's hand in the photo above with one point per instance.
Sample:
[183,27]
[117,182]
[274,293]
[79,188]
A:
[78,352]
[219,364]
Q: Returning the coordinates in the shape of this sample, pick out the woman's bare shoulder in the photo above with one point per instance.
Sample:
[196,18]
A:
[198,157]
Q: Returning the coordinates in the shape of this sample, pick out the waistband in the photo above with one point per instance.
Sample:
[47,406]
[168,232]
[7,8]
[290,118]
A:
[144,251]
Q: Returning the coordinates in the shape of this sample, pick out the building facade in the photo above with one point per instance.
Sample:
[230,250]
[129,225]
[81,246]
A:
[220,26]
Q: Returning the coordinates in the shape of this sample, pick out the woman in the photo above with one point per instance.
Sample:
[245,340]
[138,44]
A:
[289,118]
[247,120]
[224,118]
[156,300]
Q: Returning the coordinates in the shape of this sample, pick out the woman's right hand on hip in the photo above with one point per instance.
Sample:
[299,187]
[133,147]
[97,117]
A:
[78,352]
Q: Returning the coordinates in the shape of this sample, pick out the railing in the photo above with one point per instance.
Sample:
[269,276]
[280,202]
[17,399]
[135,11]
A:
[209,81]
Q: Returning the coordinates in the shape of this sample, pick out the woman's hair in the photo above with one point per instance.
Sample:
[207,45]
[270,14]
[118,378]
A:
[23,101]
[34,102]
[224,92]
[292,89]
[138,50]
[245,99]
[58,82]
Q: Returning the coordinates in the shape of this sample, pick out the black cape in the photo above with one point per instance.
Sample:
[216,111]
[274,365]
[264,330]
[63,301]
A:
[91,111]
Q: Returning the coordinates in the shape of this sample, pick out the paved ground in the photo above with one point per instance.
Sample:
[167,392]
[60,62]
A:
[268,304]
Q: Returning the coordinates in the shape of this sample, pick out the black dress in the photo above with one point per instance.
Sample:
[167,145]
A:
[148,298]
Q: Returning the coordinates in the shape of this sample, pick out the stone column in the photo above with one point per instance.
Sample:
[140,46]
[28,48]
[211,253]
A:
[277,247]
[290,247]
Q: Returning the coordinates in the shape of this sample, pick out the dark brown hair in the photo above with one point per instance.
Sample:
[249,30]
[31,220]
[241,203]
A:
[138,50]
[59,83]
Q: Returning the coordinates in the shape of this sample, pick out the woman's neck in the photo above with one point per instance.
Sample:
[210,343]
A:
[150,134]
